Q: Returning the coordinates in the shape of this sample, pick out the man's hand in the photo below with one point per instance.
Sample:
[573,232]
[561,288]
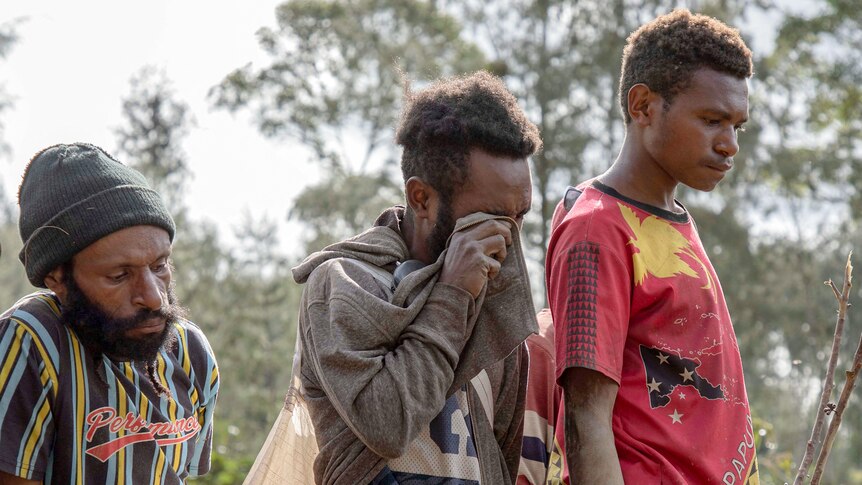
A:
[7,479]
[475,255]
[590,449]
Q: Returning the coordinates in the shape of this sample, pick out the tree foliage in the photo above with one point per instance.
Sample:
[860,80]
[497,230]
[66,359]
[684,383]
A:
[332,73]
[333,84]
[13,280]
[803,173]
[245,301]
[154,124]
[241,295]
[8,38]
[343,205]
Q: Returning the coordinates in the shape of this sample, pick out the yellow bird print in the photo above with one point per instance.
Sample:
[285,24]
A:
[659,248]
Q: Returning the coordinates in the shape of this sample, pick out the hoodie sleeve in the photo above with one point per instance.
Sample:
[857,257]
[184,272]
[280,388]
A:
[385,369]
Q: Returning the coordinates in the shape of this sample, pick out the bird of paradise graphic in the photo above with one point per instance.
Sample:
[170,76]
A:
[660,246]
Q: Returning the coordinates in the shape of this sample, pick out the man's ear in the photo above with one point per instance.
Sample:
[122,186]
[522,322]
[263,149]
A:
[421,197]
[640,99]
[54,282]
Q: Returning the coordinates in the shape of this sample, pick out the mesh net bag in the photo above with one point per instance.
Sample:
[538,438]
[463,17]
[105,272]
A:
[287,456]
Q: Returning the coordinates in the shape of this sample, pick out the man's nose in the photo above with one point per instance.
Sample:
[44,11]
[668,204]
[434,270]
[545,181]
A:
[148,291]
[727,143]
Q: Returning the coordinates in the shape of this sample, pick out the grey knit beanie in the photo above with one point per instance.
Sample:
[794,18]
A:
[73,195]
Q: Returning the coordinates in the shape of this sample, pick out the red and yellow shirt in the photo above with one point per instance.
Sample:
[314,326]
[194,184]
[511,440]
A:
[634,296]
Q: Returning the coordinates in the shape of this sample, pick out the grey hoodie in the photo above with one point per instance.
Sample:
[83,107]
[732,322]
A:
[377,367]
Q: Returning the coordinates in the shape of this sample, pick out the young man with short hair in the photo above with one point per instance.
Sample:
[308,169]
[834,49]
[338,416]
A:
[421,376]
[646,352]
[102,379]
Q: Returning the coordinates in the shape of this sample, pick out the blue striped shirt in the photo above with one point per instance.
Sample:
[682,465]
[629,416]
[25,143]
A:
[70,417]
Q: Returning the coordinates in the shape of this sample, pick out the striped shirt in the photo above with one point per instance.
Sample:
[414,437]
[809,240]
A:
[541,457]
[68,417]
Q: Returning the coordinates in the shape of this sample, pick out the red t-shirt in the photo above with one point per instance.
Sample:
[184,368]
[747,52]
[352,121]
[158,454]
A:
[542,460]
[634,296]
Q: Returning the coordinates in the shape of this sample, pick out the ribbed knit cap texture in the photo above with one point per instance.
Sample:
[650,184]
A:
[73,195]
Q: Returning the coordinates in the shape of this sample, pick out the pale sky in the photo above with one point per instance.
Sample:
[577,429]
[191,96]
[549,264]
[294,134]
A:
[72,65]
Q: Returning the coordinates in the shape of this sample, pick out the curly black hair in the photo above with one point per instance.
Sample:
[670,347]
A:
[442,123]
[665,53]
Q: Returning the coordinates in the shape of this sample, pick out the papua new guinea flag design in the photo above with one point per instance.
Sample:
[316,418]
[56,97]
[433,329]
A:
[666,371]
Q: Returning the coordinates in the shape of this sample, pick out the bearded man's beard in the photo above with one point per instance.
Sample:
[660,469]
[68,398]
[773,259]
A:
[102,333]
[436,241]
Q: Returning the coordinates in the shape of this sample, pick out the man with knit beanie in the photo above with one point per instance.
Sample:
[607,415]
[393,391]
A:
[102,379]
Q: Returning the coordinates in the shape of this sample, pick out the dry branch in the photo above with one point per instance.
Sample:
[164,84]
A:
[824,406]
[835,422]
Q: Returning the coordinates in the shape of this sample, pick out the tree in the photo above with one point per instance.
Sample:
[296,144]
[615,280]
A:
[242,297]
[7,208]
[154,124]
[8,37]
[333,86]
[253,307]
[810,156]
[13,280]
[343,204]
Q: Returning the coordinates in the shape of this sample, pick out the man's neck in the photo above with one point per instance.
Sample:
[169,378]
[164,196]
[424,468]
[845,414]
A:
[638,176]
[415,245]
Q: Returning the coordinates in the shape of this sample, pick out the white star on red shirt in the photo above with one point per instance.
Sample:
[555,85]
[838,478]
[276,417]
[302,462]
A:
[686,375]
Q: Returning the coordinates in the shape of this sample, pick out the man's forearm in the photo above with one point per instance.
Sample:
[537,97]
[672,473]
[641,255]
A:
[590,449]
[591,452]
